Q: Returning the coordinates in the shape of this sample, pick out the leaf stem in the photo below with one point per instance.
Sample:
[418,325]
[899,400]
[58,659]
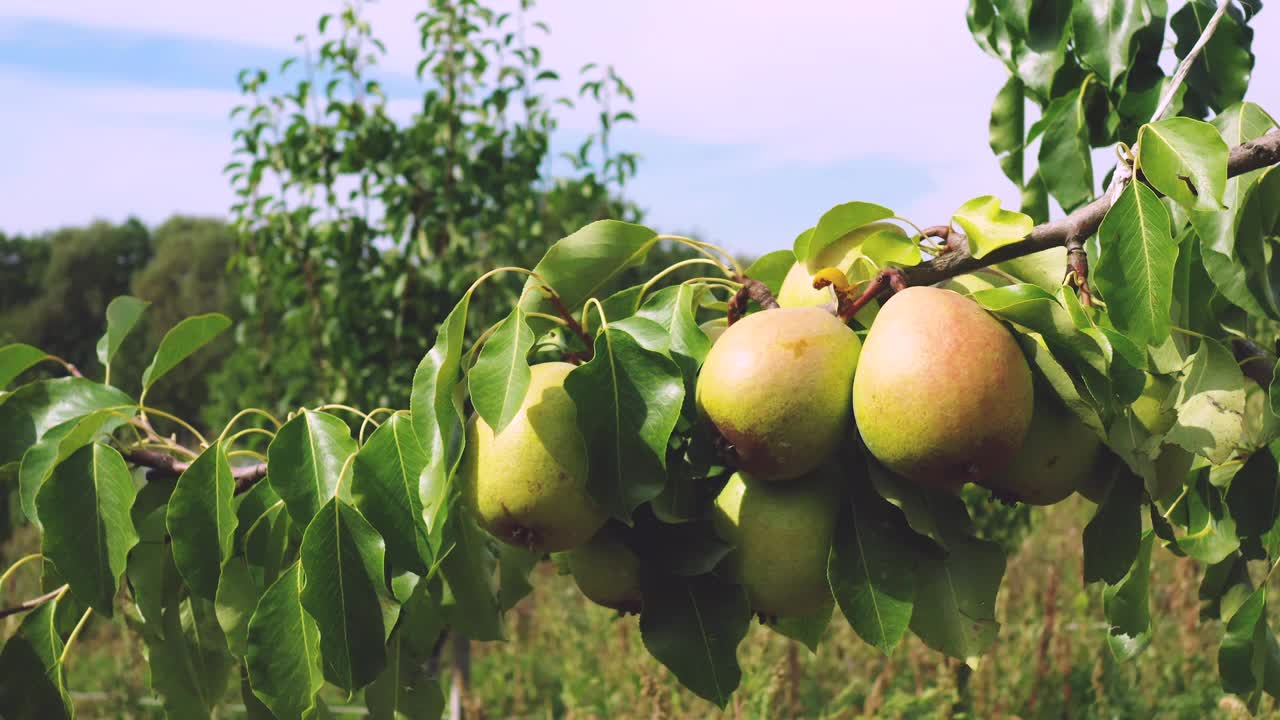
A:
[247,431]
[370,420]
[705,248]
[644,289]
[75,633]
[340,406]
[586,308]
[244,413]
[178,421]
[17,564]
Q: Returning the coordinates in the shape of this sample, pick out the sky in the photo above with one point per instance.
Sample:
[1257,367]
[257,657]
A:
[754,117]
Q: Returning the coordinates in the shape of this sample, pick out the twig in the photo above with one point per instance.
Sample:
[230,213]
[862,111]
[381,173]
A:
[165,465]
[751,290]
[1079,225]
[1185,66]
[572,322]
[33,603]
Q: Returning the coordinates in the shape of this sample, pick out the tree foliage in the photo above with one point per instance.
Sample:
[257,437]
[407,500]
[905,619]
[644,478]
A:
[338,556]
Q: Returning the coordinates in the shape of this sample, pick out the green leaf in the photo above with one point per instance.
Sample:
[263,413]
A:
[87,528]
[500,377]
[57,445]
[150,570]
[1211,532]
[1103,30]
[872,567]
[471,602]
[384,486]
[1242,657]
[1126,605]
[31,677]
[183,339]
[1185,159]
[1135,269]
[1008,118]
[1065,149]
[1257,230]
[772,268]
[188,661]
[936,514]
[675,309]
[1274,394]
[955,601]
[122,315]
[649,334]
[1112,538]
[238,594]
[989,227]
[693,626]
[891,246]
[342,559]
[1254,495]
[582,264]
[201,521]
[1210,404]
[514,566]
[628,400]
[835,224]
[436,411]
[283,652]
[404,691]
[806,629]
[16,358]
[1220,75]
[34,409]
[307,458]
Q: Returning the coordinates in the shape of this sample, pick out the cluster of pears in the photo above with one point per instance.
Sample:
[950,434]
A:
[940,393]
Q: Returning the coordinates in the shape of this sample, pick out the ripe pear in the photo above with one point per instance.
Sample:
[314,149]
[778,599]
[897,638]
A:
[943,395]
[797,288]
[782,535]
[527,485]
[607,572]
[1056,457]
[776,386]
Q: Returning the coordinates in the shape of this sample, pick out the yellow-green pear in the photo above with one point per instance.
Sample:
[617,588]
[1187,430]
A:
[782,535]
[943,394]
[776,386]
[607,572]
[527,485]
[1056,457]
[797,288]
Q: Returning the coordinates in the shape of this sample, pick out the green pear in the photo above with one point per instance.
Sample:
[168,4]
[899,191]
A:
[607,572]
[1056,458]
[943,394]
[782,535]
[527,485]
[797,288]
[776,386]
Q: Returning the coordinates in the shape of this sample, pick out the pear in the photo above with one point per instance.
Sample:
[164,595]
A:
[607,571]
[776,386]
[1056,458]
[943,394]
[527,485]
[797,288]
[782,535]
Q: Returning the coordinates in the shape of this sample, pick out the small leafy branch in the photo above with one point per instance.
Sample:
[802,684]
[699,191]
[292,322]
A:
[1145,319]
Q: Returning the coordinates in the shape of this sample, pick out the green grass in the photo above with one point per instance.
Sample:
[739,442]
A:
[570,659]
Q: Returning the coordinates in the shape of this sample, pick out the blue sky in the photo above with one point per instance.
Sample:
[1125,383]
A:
[753,117]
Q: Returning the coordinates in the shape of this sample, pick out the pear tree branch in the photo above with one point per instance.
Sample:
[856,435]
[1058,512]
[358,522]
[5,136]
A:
[166,465]
[1072,229]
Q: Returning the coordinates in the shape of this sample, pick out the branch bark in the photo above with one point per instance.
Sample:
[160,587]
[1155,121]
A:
[1077,226]
[33,603]
[166,465]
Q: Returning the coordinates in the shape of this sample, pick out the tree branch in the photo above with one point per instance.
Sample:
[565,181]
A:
[1076,227]
[166,465]
[33,603]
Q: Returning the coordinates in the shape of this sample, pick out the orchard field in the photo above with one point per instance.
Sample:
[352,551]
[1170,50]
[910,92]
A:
[433,423]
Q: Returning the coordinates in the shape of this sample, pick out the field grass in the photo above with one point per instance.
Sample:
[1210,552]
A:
[570,659]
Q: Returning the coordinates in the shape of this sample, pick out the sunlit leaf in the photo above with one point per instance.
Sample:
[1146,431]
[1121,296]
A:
[306,459]
[989,227]
[1103,30]
[57,445]
[1210,404]
[1135,270]
[16,358]
[201,521]
[183,339]
[34,409]
[122,315]
[1185,159]
[772,267]
[501,375]
[384,486]
[835,224]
